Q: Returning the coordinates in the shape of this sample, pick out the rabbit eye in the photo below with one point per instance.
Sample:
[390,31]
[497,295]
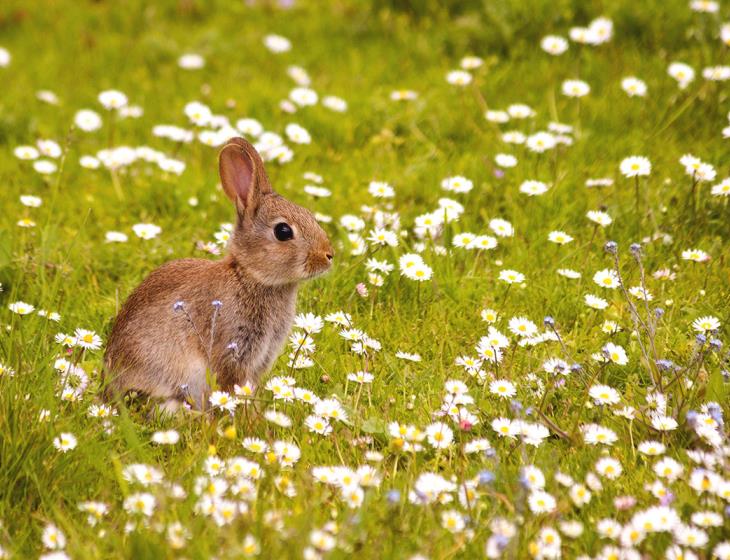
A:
[283,232]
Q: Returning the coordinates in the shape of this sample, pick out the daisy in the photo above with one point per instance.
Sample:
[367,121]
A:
[169,437]
[616,354]
[595,302]
[140,503]
[489,315]
[65,442]
[21,308]
[600,218]
[569,273]
[26,152]
[502,388]
[559,237]
[540,142]
[682,73]
[575,88]
[452,521]
[497,116]
[304,97]
[318,425]
[635,166]
[634,87]
[706,324]
[505,428]
[604,395]
[439,435]
[554,45]
[459,78]
[501,228]
[594,434]
[112,99]
[641,293]
[511,276]
[457,184]
[146,231]
[522,326]
[505,160]
[541,502]
[608,467]
[403,95]
[695,255]
[87,339]
[722,188]
[533,188]
[191,61]
[520,111]
[277,44]
[607,278]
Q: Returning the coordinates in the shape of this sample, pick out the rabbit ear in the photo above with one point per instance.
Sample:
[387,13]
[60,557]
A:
[242,174]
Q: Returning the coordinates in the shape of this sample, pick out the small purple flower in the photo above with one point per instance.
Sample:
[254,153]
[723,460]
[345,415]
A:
[635,250]
[575,368]
[393,496]
[716,344]
[667,499]
[611,247]
[665,365]
[486,477]
[549,321]
[498,173]
[701,339]
[658,312]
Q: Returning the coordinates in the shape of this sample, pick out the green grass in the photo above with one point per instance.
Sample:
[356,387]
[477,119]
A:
[361,52]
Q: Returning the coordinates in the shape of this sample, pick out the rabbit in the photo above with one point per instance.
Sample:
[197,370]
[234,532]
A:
[230,317]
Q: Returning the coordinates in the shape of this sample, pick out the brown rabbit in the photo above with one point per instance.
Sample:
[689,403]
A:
[231,315]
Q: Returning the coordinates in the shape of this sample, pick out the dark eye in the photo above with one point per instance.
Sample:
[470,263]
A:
[283,232]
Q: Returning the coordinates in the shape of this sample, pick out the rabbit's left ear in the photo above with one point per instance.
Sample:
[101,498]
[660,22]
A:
[242,175]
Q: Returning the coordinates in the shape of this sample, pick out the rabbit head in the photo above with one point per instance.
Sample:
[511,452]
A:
[276,241]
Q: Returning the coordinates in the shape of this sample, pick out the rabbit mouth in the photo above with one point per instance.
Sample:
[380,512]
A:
[314,270]
[317,272]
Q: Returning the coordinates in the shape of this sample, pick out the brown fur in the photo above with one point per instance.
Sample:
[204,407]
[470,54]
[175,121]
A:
[154,348]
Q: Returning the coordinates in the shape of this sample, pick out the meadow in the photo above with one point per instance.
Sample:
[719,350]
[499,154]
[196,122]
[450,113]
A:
[521,349]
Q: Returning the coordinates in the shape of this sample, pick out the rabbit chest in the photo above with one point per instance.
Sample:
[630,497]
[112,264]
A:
[252,337]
